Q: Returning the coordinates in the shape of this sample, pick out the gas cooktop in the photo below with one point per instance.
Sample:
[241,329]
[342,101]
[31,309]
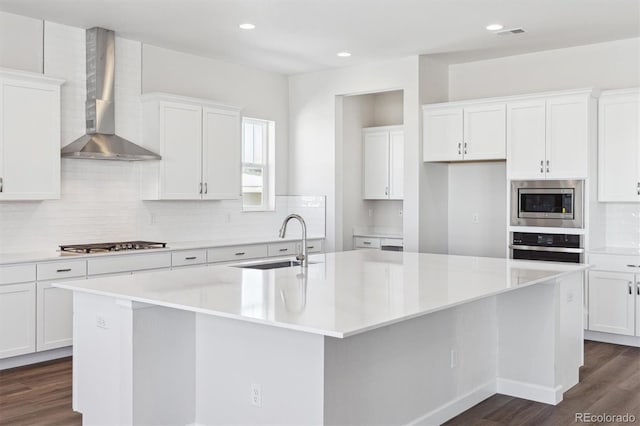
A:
[108,247]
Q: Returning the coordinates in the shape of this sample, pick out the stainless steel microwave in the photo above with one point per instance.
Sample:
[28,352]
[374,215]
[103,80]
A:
[553,203]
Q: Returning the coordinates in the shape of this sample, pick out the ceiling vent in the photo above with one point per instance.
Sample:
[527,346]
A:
[511,31]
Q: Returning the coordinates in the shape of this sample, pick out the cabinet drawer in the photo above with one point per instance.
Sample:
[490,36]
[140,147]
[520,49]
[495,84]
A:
[188,257]
[17,273]
[364,242]
[226,254]
[314,246]
[66,269]
[618,263]
[282,249]
[128,263]
[396,242]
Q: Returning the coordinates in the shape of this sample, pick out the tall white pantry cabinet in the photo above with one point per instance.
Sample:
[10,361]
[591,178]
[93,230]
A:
[29,136]
[200,144]
[383,163]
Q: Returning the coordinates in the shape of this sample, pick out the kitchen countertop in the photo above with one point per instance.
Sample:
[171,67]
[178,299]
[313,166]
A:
[340,295]
[620,251]
[50,255]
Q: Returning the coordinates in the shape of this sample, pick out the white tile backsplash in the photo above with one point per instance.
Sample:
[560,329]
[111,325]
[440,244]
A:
[622,225]
[100,200]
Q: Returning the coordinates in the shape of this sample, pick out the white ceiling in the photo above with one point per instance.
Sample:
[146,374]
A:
[294,36]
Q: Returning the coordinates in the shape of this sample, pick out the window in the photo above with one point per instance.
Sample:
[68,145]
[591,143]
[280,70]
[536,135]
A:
[258,192]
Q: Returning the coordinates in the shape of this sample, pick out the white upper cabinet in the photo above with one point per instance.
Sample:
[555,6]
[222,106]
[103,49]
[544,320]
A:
[221,149]
[29,136]
[383,162]
[550,137]
[443,134]
[526,136]
[464,133]
[484,132]
[567,142]
[619,146]
[200,145]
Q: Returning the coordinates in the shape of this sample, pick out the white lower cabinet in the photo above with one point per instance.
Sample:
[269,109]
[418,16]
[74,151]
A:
[54,317]
[612,302]
[17,319]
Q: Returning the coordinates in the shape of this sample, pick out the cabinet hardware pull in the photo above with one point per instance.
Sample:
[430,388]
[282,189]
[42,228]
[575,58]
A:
[2,184]
[206,188]
[632,266]
[190,258]
[548,166]
[465,148]
[240,253]
[64,270]
[201,187]
[459,148]
[638,290]
[630,290]
[310,247]
[386,190]
[284,249]
[367,243]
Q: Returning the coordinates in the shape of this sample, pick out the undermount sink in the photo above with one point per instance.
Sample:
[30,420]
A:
[271,265]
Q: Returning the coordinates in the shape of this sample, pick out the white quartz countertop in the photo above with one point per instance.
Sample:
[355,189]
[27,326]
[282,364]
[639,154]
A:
[341,294]
[618,251]
[50,255]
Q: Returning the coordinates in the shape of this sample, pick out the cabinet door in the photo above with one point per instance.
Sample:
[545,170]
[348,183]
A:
[442,135]
[619,148]
[29,141]
[17,319]
[221,149]
[485,132]
[611,302]
[396,164]
[375,164]
[567,137]
[54,317]
[181,147]
[526,139]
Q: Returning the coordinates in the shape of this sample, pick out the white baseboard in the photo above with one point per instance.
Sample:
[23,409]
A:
[616,339]
[34,358]
[538,393]
[455,407]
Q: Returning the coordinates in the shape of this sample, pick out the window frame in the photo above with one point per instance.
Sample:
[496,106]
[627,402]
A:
[265,166]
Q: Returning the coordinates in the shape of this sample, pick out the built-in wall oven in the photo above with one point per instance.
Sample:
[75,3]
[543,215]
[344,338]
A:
[552,247]
[548,203]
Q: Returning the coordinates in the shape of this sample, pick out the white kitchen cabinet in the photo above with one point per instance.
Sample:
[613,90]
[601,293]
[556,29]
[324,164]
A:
[548,137]
[17,319]
[29,136]
[183,258]
[465,132]
[128,263]
[526,136]
[619,146]
[383,163]
[54,317]
[612,302]
[200,144]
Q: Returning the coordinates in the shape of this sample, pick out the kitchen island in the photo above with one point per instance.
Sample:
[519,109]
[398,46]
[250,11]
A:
[360,337]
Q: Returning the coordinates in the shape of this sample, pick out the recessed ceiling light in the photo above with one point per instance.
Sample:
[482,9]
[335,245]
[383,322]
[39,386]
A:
[247,26]
[494,27]
[343,54]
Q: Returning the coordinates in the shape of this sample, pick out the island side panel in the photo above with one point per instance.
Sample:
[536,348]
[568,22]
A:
[286,365]
[424,370]
[133,363]
[540,339]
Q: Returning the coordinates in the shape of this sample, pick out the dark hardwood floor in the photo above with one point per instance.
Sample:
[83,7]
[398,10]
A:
[609,384]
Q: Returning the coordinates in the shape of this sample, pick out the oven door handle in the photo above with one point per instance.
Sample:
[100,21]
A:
[543,248]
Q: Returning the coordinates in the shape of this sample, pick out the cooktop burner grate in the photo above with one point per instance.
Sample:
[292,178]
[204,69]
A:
[107,247]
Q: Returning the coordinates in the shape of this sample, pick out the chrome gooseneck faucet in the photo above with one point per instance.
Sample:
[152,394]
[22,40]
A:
[302,256]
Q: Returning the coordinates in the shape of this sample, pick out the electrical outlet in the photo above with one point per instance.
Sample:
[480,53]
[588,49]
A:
[370,212]
[454,358]
[152,219]
[256,395]
[475,218]
[227,218]
[101,322]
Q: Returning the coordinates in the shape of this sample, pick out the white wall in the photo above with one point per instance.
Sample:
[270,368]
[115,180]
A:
[477,188]
[25,55]
[261,94]
[610,65]
[316,160]
[100,199]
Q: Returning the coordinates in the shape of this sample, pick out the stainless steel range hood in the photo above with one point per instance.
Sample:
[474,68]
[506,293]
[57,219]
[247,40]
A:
[101,142]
